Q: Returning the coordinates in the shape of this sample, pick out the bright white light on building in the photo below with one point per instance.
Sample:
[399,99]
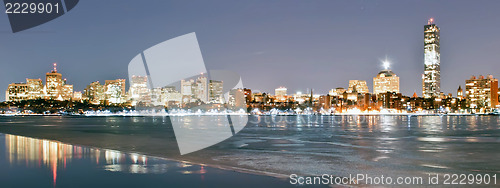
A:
[386,64]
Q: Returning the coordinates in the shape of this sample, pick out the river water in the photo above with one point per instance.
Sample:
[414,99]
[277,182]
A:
[304,145]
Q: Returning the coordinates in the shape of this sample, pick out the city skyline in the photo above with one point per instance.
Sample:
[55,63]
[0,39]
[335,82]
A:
[57,88]
[265,56]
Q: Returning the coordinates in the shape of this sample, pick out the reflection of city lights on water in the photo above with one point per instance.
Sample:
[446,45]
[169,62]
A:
[113,157]
[39,153]
[35,153]
[201,171]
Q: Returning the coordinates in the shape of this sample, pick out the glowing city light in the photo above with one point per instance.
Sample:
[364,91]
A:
[386,64]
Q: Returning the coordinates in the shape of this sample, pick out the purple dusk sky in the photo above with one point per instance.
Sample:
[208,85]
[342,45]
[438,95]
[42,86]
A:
[298,44]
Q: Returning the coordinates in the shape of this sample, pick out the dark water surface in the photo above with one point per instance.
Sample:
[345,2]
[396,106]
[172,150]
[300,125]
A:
[303,145]
[29,162]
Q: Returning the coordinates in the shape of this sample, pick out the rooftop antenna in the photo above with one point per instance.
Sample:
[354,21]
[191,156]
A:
[431,21]
[55,67]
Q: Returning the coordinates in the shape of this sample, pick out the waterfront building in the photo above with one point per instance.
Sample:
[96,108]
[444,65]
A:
[325,102]
[139,91]
[200,89]
[66,92]
[260,97]
[187,87]
[53,84]
[35,88]
[358,86]
[115,91]
[280,92]
[431,79]
[237,100]
[95,93]
[386,81]
[460,92]
[195,90]
[248,95]
[215,93]
[482,92]
[170,96]
[337,91]
[55,88]
[17,92]
[77,96]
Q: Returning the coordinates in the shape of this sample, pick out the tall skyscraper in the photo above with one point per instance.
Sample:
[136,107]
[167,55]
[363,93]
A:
[431,79]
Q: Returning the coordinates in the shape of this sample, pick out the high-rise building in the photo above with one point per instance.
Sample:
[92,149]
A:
[431,79]
[17,92]
[215,93]
[66,93]
[170,96]
[358,86]
[280,92]
[139,91]
[55,88]
[482,92]
[95,93]
[53,84]
[194,90]
[385,81]
[35,88]
[200,89]
[115,91]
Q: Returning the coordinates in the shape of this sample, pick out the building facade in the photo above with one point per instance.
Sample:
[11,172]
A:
[358,86]
[280,92]
[431,79]
[482,92]
[17,92]
[53,84]
[386,81]
[35,88]
[139,91]
[95,93]
[115,91]
[215,93]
